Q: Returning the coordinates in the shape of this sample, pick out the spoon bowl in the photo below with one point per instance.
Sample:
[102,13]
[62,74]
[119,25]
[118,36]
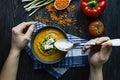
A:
[65,45]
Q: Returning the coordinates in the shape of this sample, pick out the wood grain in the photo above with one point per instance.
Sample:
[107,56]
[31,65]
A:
[12,13]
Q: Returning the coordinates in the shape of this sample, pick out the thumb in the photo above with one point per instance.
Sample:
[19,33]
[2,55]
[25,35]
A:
[29,31]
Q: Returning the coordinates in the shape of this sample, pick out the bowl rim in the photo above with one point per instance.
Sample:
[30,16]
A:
[32,41]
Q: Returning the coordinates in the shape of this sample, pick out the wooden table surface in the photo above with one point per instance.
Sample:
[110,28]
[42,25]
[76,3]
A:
[12,13]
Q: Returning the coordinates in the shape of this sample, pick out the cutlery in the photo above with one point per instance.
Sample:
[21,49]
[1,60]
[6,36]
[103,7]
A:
[65,45]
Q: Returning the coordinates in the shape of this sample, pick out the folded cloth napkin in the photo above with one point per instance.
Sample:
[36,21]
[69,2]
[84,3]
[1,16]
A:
[74,58]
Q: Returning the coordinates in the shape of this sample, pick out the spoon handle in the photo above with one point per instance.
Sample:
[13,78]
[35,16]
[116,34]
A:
[115,42]
[88,43]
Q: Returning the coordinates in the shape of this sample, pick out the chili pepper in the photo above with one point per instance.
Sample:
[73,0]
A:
[92,8]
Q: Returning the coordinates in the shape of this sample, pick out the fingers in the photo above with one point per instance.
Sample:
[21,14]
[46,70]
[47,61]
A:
[106,47]
[85,48]
[98,41]
[29,32]
[106,50]
[106,44]
[24,25]
[102,40]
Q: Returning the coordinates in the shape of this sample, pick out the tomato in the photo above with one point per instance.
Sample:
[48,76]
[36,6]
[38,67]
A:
[96,28]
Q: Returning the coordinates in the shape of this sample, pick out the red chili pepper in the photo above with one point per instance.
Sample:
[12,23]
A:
[92,8]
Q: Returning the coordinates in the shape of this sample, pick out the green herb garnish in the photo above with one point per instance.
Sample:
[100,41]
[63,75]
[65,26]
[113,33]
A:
[47,46]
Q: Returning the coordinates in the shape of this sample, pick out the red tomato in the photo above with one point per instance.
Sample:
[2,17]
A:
[96,28]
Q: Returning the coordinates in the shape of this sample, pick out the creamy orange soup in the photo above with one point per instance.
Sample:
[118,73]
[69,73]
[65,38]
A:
[40,37]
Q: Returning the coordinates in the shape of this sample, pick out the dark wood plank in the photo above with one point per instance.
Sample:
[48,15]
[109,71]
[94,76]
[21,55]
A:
[12,13]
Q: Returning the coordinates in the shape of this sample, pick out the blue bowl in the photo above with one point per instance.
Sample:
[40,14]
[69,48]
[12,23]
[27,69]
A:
[32,47]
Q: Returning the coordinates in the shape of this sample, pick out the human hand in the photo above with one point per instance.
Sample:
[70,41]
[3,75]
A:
[99,54]
[19,38]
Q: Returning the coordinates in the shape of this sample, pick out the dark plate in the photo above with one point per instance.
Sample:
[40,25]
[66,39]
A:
[32,40]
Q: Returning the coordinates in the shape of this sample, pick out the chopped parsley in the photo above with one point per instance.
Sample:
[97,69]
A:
[47,46]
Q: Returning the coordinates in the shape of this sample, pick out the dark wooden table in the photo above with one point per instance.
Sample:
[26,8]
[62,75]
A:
[12,13]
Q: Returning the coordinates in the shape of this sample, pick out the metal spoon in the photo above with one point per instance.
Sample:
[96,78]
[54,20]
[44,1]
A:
[65,45]
[61,8]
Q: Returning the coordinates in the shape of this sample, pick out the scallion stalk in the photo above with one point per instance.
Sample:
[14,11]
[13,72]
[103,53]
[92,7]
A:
[35,5]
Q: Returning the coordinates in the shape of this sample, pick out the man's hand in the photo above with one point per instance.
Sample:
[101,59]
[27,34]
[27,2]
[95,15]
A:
[19,38]
[99,53]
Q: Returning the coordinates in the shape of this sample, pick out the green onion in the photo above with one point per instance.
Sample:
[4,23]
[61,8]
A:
[43,44]
[26,0]
[35,5]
